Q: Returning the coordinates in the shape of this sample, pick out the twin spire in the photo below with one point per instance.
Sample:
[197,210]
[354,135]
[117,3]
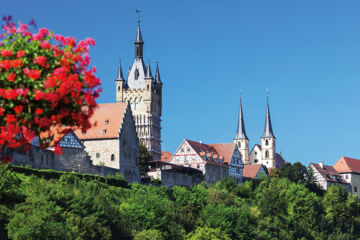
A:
[241,133]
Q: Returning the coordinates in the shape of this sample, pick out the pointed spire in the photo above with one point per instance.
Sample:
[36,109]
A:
[268,132]
[120,76]
[138,41]
[148,71]
[241,133]
[157,76]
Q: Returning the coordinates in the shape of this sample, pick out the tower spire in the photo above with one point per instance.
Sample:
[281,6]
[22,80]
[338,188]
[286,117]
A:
[157,75]
[241,133]
[148,71]
[138,41]
[268,132]
[120,76]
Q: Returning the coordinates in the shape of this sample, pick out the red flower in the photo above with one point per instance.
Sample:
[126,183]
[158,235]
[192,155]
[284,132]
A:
[45,45]
[6,53]
[11,77]
[1,111]
[18,109]
[32,73]
[20,54]
[39,111]
[41,60]
[58,150]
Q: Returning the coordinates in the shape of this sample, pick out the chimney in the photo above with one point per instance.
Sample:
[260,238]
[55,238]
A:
[321,164]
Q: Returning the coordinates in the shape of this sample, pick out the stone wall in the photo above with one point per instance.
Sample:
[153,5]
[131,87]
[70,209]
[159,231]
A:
[173,178]
[214,173]
[104,152]
[72,160]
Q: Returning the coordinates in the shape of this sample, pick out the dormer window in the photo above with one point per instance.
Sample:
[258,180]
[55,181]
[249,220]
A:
[136,74]
[106,122]
[104,131]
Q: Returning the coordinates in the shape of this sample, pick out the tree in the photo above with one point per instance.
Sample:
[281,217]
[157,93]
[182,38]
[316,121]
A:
[145,158]
[45,84]
[206,233]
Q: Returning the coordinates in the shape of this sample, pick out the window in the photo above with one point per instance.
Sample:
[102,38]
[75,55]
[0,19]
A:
[267,153]
[346,176]
[118,88]
[193,158]
[355,189]
[136,74]
[97,155]
[147,87]
[239,144]
[112,157]
[266,142]
[198,166]
[185,159]
[104,131]
[256,160]
[255,153]
[177,159]
[182,150]
[188,149]
[106,122]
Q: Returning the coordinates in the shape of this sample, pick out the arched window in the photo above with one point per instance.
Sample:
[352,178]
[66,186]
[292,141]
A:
[266,142]
[239,144]
[118,88]
[256,160]
[267,153]
[136,74]
[112,157]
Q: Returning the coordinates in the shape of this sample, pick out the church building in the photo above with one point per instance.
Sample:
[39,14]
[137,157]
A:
[265,153]
[144,93]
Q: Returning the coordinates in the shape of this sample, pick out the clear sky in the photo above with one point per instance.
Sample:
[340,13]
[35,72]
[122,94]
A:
[307,53]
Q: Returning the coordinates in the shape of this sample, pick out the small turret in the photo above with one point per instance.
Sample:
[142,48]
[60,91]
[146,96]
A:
[157,76]
[120,84]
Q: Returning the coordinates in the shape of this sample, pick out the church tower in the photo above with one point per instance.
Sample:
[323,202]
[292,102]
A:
[144,93]
[241,139]
[268,141]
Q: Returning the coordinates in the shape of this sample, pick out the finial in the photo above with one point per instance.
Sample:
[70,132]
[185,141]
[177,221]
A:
[240,94]
[138,13]
[267,94]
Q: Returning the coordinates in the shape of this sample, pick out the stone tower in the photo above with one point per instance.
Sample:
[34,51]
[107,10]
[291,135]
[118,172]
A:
[268,141]
[145,96]
[241,139]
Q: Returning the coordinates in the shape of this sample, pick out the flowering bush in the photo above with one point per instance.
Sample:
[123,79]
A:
[45,82]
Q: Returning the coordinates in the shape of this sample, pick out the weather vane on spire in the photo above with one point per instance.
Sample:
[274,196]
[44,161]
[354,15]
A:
[240,94]
[267,92]
[138,13]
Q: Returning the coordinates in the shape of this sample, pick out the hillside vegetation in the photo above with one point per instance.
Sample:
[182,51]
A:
[51,205]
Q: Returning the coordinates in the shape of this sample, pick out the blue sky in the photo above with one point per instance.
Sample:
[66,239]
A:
[307,53]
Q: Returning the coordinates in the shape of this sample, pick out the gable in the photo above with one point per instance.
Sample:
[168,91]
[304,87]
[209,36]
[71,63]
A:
[105,122]
[70,140]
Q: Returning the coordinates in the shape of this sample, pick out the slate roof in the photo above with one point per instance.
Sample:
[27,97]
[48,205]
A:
[106,122]
[241,133]
[347,165]
[329,173]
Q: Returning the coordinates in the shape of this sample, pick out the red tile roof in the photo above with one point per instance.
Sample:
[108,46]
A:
[329,173]
[207,150]
[224,149]
[346,164]
[250,171]
[106,121]
[165,156]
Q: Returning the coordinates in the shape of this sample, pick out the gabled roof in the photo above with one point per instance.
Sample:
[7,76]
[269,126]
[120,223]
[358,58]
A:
[208,151]
[106,121]
[165,156]
[329,173]
[279,160]
[346,164]
[224,149]
[250,171]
